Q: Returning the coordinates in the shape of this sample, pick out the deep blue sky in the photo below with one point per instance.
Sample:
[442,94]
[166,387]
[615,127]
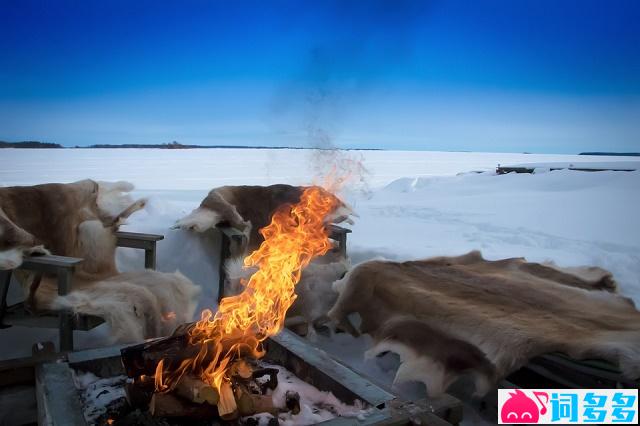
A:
[538,76]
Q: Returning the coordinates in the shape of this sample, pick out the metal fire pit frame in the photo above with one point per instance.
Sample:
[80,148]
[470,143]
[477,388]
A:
[58,406]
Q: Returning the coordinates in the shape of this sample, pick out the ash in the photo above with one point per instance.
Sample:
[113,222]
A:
[102,398]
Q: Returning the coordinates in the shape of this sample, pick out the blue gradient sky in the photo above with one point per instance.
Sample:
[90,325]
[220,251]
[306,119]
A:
[540,76]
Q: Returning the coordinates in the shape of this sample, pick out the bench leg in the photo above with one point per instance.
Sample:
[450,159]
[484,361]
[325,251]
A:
[224,255]
[66,317]
[150,258]
[342,244]
[5,280]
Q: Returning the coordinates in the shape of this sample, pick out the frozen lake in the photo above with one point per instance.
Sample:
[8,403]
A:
[203,169]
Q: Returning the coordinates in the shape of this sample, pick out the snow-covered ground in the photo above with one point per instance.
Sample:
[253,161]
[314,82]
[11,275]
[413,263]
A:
[415,204]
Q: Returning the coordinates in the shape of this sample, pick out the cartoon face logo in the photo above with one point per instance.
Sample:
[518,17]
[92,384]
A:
[519,408]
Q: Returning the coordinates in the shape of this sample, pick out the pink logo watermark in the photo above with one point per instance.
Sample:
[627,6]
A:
[519,408]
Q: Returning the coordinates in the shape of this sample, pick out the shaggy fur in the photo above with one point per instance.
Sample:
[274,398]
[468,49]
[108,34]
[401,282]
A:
[80,220]
[248,209]
[136,305]
[508,310]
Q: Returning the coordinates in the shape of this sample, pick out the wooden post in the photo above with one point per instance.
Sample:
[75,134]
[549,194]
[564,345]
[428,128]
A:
[339,234]
[224,254]
[5,280]
[150,257]
[146,242]
[342,245]
[66,317]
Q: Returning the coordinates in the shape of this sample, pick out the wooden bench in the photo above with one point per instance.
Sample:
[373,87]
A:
[63,268]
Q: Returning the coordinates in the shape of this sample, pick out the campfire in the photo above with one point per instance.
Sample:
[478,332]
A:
[211,367]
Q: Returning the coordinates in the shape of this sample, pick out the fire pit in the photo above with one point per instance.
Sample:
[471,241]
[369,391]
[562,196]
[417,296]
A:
[58,405]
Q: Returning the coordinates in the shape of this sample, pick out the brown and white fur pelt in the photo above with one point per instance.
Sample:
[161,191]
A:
[80,220]
[47,218]
[249,209]
[314,292]
[508,310]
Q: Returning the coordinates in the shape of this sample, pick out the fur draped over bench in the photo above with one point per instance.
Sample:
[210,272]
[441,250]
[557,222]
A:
[79,220]
[449,316]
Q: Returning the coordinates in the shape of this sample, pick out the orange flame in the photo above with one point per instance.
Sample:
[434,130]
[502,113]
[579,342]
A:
[295,236]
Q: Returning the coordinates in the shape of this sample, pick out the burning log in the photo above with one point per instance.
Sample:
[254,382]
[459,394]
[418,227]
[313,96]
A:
[227,407]
[168,405]
[195,390]
[143,359]
[242,369]
[250,404]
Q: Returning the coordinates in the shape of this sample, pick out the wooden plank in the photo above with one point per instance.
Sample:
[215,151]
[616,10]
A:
[147,242]
[49,263]
[139,236]
[316,367]
[58,400]
[16,315]
[103,362]
[337,230]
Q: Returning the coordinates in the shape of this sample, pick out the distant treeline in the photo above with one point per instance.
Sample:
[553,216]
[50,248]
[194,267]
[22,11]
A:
[619,154]
[29,144]
[176,145]
[172,145]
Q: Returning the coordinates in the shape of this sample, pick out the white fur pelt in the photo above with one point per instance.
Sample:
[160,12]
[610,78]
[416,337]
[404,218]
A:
[136,305]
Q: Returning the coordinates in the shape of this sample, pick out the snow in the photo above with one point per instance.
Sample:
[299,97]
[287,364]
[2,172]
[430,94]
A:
[570,217]
[315,405]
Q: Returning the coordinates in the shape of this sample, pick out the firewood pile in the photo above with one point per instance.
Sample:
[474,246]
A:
[244,393]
